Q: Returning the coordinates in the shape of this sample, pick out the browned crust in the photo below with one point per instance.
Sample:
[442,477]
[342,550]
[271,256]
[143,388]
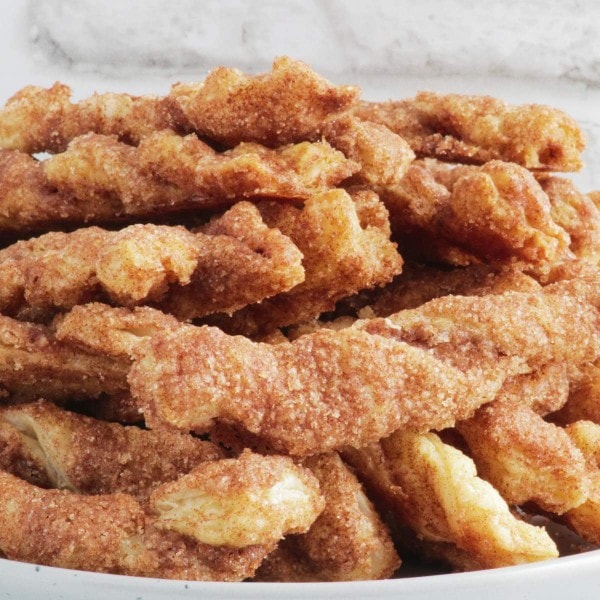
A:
[237,262]
[433,489]
[418,284]
[89,456]
[383,156]
[237,502]
[284,106]
[37,119]
[287,105]
[496,213]
[521,455]
[347,542]
[577,214]
[346,247]
[99,179]
[476,129]
[356,385]
[110,534]
[110,331]
[584,397]
[34,364]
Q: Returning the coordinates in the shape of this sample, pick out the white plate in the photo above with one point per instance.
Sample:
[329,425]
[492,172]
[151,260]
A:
[569,578]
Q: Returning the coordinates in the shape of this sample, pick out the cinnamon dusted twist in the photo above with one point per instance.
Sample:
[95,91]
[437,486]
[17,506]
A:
[423,368]
[285,106]
[477,129]
[99,179]
[237,262]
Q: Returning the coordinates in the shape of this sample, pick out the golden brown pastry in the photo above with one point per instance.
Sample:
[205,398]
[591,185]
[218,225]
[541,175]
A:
[478,129]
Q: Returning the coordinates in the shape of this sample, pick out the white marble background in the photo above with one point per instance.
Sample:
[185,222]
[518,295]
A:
[534,51]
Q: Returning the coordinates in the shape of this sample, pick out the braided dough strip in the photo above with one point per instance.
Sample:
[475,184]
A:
[478,129]
[424,368]
[240,261]
[89,456]
[284,106]
[433,488]
[98,178]
[202,526]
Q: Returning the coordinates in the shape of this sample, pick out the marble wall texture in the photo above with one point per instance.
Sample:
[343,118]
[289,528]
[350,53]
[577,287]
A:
[535,51]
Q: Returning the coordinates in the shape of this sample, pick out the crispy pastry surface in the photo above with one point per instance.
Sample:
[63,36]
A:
[239,262]
[40,119]
[478,129]
[422,368]
[382,155]
[585,518]
[496,213]
[99,179]
[347,542]
[89,456]
[521,455]
[112,533]
[346,246]
[34,364]
[418,284]
[239,502]
[287,105]
[577,214]
[433,488]
[108,533]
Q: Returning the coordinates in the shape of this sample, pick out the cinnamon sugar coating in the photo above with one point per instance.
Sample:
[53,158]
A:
[191,274]
[89,456]
[345,242]
[423,368]
[433,488]
[285,106]
[478,129]
[99,179]
[347,542]
[496,213]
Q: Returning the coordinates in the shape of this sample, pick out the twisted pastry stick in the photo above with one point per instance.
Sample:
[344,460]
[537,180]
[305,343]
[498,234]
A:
[347,542]
[34,364]
[477,129]
[284,106]
[383,156]
[424,368]
[346,247]
[434,489]
[101,179]
[37,119]
[59,528]
[585,518]
[577,214]
[570,209]
[521,455]
[496,213]
[240,261]
[88,456]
